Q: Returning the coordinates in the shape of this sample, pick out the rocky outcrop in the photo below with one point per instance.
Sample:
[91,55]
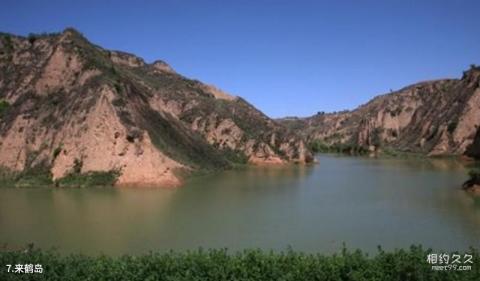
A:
[472,185]
[474,149]
[472,188]
[73,105]
[439,117]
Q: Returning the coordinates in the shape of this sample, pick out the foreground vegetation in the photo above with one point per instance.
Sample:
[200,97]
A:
[401,265]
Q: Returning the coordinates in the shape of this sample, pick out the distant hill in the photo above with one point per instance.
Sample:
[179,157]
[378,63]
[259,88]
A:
[436,118]
[70,107]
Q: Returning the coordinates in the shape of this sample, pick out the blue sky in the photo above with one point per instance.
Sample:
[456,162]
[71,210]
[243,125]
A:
[285,57]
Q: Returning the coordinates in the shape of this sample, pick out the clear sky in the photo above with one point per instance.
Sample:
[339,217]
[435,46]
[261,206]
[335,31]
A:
[285,57]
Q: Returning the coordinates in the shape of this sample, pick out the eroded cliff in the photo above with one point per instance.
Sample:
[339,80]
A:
[69,106]
[439,117]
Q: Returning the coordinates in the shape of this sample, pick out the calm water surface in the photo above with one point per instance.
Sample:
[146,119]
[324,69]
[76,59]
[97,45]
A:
[362,202]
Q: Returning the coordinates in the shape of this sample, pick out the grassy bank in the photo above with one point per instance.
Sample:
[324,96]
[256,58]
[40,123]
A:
[43,178]
[319,146]
[401,265]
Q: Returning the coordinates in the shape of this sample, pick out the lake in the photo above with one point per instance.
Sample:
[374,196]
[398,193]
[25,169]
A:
[360,201]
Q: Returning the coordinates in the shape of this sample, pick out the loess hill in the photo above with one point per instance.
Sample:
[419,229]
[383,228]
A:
[435,118]
[70,107]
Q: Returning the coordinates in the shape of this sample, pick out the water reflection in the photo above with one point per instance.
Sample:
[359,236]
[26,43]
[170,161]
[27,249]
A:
[363,202]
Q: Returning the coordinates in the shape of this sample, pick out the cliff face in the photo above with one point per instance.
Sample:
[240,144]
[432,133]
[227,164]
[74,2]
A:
[436,118]
[474,149]
[66,104]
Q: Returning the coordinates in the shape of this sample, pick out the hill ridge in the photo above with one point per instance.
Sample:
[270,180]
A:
[75,108]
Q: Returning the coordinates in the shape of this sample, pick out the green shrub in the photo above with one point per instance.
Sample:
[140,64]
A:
[41,177]
[7,42]
[7,177]
[451,127]
[31,179]
[77,166]
[474,175]
[36,176]
[32,37]
[57,151]
[397,265]
[345,148]
[4,105]
[376,139]
[234,156]
[319,146]
[90,179]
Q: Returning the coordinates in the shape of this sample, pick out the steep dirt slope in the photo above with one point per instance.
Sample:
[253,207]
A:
[68,106]
[435,117]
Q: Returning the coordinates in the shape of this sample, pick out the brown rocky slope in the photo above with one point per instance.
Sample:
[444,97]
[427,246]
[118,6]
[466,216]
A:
[436,118]
[68,106]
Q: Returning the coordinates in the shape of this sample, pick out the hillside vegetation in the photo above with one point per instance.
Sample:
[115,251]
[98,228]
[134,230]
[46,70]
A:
[64,101]
[435,118]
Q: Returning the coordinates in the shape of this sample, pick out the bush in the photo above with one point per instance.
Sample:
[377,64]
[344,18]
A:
[4,105]
[7,42]
[57,151]
[32,37]
[34,179]
[37,176]
[89,179]
[473,181]
[345,148]
[7,177]
[451,127]
[235,156]
[401,265]
[376,139]
[77,166]
[319,146]
[474,175]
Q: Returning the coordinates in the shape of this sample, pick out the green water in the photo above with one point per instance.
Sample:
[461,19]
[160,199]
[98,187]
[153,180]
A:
[362,202]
